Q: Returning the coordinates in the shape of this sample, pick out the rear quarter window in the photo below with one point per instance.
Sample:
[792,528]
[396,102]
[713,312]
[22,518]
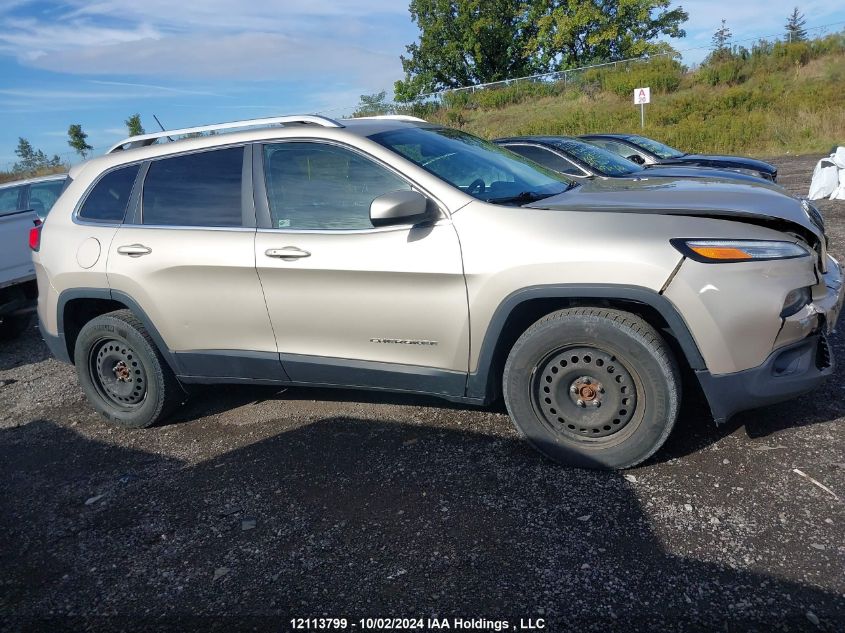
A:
[108,199]
[43,195]
[10,199]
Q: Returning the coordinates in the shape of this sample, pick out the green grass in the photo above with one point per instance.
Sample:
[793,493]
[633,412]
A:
[9,176]
[777,99]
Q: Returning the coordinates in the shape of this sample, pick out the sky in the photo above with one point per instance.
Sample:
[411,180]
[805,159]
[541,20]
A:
[95,62]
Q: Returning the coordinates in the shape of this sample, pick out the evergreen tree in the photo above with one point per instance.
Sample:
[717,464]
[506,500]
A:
[78,140]
[795,31]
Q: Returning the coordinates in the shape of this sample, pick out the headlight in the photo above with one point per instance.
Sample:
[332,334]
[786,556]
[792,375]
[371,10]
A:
[727,251]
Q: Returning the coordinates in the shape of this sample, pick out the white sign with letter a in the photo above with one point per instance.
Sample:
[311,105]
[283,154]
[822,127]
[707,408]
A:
[642,96]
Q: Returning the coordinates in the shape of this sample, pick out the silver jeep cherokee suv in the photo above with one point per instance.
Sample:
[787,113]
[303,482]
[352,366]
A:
[389,253]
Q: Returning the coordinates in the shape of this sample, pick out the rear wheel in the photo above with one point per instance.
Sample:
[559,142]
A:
[592,387]
[123,374]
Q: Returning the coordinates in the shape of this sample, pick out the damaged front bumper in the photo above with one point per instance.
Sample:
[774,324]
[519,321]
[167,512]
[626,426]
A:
[792,369]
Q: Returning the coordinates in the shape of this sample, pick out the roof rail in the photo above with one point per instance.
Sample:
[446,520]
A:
[393,117]
[148,139]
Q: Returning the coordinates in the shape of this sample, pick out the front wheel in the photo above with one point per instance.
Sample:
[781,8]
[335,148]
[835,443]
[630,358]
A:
[122,372]
[592,387]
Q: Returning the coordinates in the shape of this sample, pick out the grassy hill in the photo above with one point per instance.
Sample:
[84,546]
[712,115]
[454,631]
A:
[776,99]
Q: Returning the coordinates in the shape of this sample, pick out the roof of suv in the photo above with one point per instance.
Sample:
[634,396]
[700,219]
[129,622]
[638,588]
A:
[149,146]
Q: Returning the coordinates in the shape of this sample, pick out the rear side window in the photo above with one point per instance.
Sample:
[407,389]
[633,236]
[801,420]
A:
[546,158]
[43,195]
[195,190]
[10,199]
[107,201]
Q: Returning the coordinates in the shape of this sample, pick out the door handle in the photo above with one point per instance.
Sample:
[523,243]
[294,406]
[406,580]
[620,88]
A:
[288,253]
[134,250]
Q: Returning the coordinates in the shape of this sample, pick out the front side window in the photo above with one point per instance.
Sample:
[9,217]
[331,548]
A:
[546,158]
[655,147]
[43,195]
[109,197]
[202,189]
[10,199]
[603,161]
[323,187]
[475,166]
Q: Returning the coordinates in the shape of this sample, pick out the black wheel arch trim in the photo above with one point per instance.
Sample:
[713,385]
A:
[478,387]
[479,384]
[121,297]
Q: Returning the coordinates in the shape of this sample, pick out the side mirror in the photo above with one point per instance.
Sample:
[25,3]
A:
[400,207]
[636,158]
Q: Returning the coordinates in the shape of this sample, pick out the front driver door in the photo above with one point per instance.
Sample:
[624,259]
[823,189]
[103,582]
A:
[352,304]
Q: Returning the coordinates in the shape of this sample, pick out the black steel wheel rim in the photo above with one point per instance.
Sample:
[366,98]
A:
[585,394]
[118,374]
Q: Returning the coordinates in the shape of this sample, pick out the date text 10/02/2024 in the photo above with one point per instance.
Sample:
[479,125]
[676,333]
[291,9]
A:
[417,624]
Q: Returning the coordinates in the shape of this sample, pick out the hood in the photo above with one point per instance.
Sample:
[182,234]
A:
[702,197]
[665,171]
[737,162]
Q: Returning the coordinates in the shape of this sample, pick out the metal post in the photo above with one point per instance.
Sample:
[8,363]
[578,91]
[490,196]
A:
[642,115]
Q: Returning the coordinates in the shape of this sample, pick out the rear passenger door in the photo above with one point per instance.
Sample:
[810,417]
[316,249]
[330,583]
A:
[186,256]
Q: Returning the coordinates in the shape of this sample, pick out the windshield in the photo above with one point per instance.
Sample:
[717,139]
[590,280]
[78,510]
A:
[658,149]
[475,166]
[603,161]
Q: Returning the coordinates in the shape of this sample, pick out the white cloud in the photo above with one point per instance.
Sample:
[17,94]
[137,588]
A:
[235,15]
[30,39]
[154,87]
[214,39]
[262,56]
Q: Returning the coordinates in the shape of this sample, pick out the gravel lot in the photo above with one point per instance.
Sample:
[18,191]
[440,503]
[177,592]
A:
[256,506]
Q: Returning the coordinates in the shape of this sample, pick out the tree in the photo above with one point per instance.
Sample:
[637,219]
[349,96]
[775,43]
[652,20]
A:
[466,42]
[78,140]
[373,105]
[572,33]
[31,159]
[133,125]
[795,31]
[721,38]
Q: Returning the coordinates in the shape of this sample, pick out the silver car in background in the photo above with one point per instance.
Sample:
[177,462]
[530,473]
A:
[23,203]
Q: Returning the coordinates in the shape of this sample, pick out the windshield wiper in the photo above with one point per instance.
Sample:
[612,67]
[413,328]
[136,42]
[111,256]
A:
[526,197]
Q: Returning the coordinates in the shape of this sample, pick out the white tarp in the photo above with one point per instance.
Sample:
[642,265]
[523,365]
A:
[829,177]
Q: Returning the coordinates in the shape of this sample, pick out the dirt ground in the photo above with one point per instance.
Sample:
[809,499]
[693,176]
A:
[256,506]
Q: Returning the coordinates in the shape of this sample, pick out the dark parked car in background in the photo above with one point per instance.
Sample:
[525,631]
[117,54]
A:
[577,158]
[646,151]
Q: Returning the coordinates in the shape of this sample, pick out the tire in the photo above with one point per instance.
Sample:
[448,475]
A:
[592,388]
[13,326]
[122,372]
